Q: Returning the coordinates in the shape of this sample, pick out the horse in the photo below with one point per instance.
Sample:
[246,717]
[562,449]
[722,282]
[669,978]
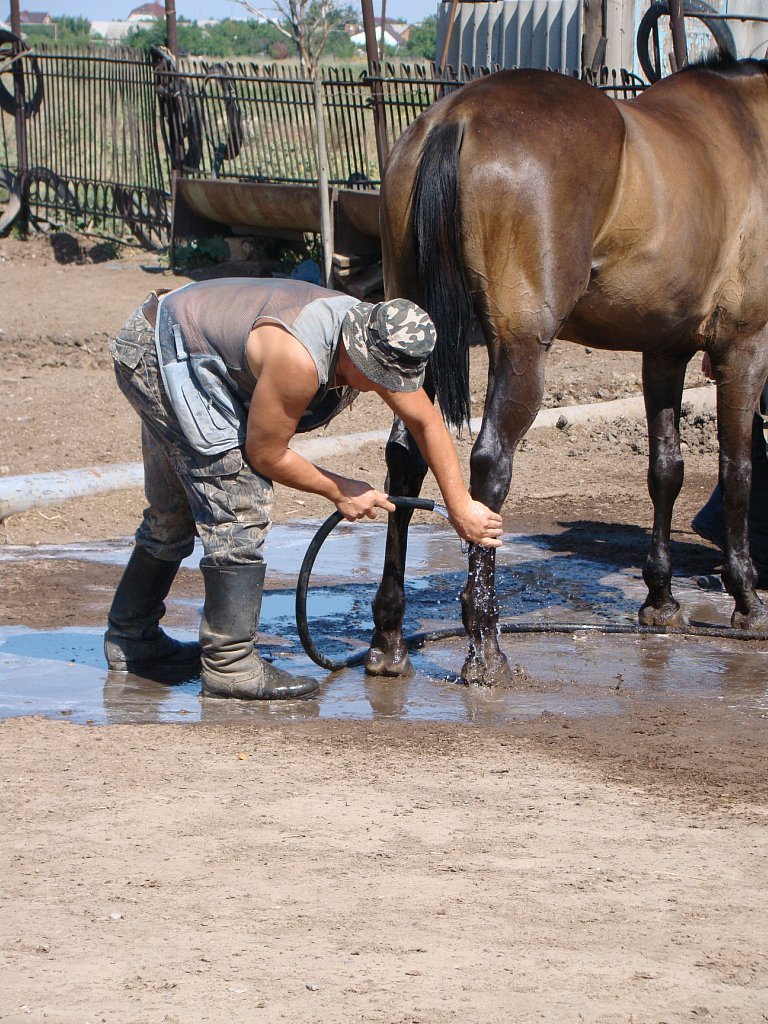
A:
[541,208]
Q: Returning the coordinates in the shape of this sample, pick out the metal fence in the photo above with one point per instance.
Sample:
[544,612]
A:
[103,131]
[89,155]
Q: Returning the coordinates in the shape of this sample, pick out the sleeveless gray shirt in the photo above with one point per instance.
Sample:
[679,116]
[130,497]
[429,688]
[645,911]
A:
[201,334]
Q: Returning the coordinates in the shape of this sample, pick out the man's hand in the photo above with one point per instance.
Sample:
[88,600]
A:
[477,524]
[360,500]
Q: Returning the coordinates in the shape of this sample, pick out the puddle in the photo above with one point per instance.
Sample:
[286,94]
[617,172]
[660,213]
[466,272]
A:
[62,673]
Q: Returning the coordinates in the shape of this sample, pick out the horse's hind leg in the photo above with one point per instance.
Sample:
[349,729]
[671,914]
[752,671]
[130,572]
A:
[406,469]
[663,378]
[740,378]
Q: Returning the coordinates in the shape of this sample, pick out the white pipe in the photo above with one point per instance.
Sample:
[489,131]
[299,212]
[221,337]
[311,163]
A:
[19,493]
[699,400]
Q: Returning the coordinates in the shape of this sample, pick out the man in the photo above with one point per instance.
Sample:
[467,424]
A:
[223,374]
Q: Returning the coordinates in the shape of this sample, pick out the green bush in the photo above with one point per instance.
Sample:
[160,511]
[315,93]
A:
[422,41]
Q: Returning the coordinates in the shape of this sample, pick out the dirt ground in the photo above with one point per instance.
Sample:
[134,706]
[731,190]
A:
[606,870]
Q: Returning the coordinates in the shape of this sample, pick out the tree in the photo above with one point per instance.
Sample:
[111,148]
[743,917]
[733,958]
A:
[228,38]
[308,24]
[422,41]
[65,31]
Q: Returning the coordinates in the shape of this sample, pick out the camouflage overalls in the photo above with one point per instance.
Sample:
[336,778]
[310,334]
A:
[218,497]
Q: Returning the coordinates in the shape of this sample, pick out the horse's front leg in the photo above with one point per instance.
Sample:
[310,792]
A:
[738,388]
[663,378]
[515,388]
[406,469]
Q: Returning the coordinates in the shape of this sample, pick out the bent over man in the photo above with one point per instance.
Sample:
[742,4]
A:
[223,374]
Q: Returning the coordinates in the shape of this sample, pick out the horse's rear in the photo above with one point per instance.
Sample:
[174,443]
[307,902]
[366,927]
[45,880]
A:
[546,209]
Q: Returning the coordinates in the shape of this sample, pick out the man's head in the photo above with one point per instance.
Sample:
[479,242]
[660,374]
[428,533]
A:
[389,342]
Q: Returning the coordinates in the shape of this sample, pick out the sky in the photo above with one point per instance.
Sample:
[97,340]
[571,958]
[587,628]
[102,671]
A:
[107,10]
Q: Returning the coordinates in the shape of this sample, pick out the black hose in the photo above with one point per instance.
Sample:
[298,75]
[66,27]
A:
[416,640]
[333,520]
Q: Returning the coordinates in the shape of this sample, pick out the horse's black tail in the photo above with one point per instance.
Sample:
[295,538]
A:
[443,281]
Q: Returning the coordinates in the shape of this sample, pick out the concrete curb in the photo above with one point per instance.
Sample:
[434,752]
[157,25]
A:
[21,493]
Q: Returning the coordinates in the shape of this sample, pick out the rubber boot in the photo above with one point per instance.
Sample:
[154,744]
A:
[134,641]
[708,522]
[232,666]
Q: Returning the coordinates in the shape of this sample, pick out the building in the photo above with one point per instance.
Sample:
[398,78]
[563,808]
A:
[34,18]
[116,31]
[147,12]
[395,34]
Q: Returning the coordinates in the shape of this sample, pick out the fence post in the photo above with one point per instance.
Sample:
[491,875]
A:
[372,53]
[679,41]
[19,118]
[171,37]
[326,227]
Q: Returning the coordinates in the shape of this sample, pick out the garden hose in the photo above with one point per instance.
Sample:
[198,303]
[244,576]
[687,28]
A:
[416,640]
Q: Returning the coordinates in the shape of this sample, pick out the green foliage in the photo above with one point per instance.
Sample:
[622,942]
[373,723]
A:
[311,248]
[422,41]
[228,38]
[340,45]
[235,38]
[199,252]
[65,31]
[148,34]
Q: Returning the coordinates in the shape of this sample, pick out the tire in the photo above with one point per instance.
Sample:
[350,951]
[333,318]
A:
[692,9]
[233,143]
[146,214]
[12,44]
[180,114]
[10,181]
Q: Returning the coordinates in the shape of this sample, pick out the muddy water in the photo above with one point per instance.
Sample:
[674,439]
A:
[61,673]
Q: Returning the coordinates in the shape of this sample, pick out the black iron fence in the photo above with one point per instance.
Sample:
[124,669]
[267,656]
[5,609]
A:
[87,153]
[91,139]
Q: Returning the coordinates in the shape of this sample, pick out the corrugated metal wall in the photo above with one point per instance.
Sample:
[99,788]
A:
[548,33]
[520,33]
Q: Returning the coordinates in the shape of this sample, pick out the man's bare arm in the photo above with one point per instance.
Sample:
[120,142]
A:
[471,519]
[287,383]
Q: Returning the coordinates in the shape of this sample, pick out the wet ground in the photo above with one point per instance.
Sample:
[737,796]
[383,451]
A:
[62,673]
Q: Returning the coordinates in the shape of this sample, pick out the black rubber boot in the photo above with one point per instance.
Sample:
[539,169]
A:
[134,641]
[232,666]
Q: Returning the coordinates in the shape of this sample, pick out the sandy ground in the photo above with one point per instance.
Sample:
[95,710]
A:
[556,870]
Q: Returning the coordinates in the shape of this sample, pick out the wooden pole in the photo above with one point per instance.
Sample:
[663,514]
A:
[679,41]
[15,17]
[448,34]
[326,224]
[171,36]
[20,122]
[372,53]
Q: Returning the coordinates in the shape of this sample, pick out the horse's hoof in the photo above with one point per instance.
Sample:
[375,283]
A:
[394,662]
[486,668]
[755,620]
[669,614]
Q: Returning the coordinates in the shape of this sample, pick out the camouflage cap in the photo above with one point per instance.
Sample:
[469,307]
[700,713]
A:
[390,342]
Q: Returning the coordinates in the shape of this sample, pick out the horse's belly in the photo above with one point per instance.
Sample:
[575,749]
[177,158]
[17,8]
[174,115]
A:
[615,315]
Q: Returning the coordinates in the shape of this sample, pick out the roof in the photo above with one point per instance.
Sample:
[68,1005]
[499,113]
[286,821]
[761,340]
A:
[391,36]
[147,11]
[34,18]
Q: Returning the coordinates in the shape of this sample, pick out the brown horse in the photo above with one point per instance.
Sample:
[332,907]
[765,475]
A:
[544,209]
